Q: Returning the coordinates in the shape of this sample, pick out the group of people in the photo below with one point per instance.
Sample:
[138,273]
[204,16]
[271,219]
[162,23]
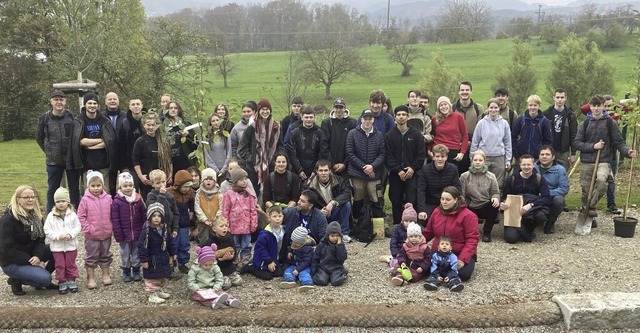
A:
[278,184]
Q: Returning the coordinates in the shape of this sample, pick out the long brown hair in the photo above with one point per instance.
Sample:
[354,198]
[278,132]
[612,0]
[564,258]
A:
[164,150]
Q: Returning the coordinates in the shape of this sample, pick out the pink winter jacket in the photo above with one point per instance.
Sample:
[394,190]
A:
[240,212]
[94,213]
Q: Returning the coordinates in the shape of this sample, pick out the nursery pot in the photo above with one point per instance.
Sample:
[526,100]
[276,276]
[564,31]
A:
[624,228]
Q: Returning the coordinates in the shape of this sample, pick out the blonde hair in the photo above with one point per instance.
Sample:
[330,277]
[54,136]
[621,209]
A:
[479,152]
[17,210]
[156,175]
[440,149]
[534,99]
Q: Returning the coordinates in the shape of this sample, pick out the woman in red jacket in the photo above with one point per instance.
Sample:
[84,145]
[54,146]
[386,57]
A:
[450,129]
[453,219]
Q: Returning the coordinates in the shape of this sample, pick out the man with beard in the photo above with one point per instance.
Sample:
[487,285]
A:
[334,196]
[132,130]
[472,113]
[306,215]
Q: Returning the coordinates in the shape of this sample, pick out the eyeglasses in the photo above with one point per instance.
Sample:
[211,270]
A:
[29,198]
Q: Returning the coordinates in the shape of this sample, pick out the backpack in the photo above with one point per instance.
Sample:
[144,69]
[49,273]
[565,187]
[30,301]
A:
[363,227]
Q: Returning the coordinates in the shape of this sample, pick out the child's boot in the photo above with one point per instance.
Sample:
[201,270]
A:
[63,287]
[106,279]
[126,274]
[73,286]
[234,303]
[162,294]
[220,301]
[155,299]
[136,274]
[91,279]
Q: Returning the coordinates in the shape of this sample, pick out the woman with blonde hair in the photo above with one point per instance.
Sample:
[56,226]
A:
[481,192]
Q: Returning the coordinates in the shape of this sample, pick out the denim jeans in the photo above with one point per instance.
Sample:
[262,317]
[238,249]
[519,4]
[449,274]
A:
[34,276]
[182,245]
[54,178]
[304,275]
[342,214]
[243,245]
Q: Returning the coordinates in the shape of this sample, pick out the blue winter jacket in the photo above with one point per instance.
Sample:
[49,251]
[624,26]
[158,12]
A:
[363,149]
[556,179]
[528,135]
[398,237]
[265,251]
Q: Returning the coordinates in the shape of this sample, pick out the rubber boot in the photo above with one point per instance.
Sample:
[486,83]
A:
[106,279]
[136,274]
[91,279]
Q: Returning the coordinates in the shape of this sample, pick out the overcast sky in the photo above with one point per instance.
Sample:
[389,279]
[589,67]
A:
[548,2]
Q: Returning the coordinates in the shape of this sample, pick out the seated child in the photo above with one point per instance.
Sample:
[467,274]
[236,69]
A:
[414,255]
[399,235]
[266,264]
[205,280]
[226,252]
[155,248]
[301,252]
[329,257]
[444,268]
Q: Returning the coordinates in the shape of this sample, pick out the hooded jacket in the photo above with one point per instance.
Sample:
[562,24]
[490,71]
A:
[328,256]
[150,250]
[493,137]
[75,160]
[302,256]
[556,179]
[53,135]
[303,148]
[398,237]
[461,225]
[94,213]
[528,135]
[66,224]
[340,190]
[415,256]
[333,141]
[127,218]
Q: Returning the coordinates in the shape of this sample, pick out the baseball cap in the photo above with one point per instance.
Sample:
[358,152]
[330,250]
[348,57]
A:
[339,102]
[58,93]
[367,113]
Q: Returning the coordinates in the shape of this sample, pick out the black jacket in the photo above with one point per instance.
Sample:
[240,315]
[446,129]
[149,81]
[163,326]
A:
[403,151]
[328,256]
[74,154]
[333,143]
[132,130]
[363,149]
[304,148]
[53,134]
[16,245]
[121,136]
[340,190]
[569,129]
[431,182]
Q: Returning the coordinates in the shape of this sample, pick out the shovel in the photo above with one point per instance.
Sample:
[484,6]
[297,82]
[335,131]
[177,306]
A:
[583,224]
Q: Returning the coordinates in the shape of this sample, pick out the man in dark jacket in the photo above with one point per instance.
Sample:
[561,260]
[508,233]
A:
[305,214]
[405,156]
[304,146]
[296,106]
[333,142]
[365,162]
[117,118]
[564,127]
[472,113]
[93,143]
[432,179]
[334,196]
[531,130]
[133,130]
[52,135]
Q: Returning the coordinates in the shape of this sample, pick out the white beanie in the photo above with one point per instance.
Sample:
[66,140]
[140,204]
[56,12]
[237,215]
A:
[93,174]
[413,229]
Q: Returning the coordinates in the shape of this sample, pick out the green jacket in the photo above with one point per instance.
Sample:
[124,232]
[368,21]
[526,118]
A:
[200,278]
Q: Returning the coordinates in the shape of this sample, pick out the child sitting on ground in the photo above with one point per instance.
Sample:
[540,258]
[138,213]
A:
[399,235]
[62,228]
[155,247]
[226,252]
[182,192]
[266,263]
[329,257]
[239,208]
[414,258]
[205,280]
[208,205]
[301,253]
[444,268]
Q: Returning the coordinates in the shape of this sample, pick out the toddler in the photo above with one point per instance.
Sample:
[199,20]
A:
[128,215]
[94,213]
[266,262]
[155,249]
[399,234]
[208,205]
[239,208]
[205,280]
[329,257]
[444,268]
[225,254]
[182,192]
[413,258]
[62,227]
[301,252]
[159,194]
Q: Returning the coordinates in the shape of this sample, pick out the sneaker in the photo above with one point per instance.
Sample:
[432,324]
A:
[220,301]
[73,286]
[457,288]
[236,279]
[126,275]
[486,237]
[234,303]
[397,281]
[306,287]
[183,269]
[613,210]
[63,288]
[287,284]
[155,299]
[594,224]
[162,294]
[346,239]
[430,286]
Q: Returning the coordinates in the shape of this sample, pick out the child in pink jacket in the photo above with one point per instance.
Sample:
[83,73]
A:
[94,213]
[239,208]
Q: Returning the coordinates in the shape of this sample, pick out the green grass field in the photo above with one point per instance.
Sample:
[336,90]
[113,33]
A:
[478,61]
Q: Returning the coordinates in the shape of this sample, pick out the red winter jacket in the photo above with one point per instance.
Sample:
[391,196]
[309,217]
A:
[461,226]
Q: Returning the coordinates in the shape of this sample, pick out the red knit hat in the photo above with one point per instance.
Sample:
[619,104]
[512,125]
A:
[264,103]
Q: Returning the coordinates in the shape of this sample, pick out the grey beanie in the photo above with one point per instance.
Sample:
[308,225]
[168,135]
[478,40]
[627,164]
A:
[155,207]
[333,228]
[299,235]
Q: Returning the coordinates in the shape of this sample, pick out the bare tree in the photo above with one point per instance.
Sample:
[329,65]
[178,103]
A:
[225,66]
[465,21]
[403,53]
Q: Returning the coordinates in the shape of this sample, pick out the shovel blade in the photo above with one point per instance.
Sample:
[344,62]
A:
[583,223]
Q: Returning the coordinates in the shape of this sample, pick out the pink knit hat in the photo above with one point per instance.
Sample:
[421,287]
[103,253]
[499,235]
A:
[409,213]
[206,253]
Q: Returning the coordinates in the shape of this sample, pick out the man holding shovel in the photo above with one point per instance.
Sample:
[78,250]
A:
[597,139]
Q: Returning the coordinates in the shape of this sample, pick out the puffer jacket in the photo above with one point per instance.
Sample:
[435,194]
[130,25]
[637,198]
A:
[127,218]
[94,213]
[398,237]
[53,135]
[461,225]
[240,211]
[155,246]
[363,149]
[66,224]
[432,181]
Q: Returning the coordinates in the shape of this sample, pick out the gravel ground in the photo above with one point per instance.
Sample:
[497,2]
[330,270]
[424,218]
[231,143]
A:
[561,263]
